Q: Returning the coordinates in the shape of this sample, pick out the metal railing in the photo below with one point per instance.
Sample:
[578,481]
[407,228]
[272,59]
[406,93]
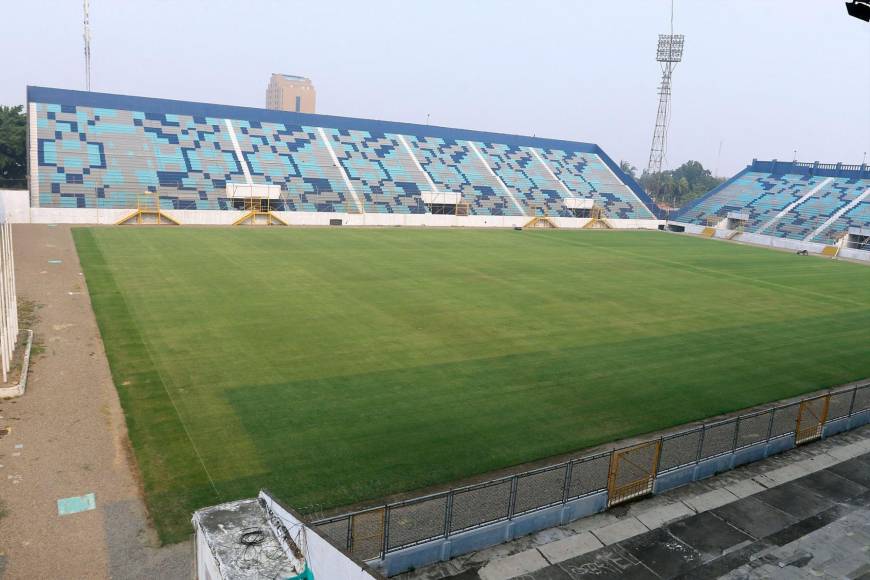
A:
[373,533]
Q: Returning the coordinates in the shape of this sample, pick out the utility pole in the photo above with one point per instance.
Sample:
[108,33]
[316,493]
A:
[87,37]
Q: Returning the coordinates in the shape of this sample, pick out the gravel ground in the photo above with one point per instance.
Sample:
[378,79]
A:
[69,438]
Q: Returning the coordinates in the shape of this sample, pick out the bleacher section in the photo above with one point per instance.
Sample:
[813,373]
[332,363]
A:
[527,179]
[95,150]
[761,195]
[813,195]
[857,216]
[588,177]
[804,219]
[453,167]
[296,159]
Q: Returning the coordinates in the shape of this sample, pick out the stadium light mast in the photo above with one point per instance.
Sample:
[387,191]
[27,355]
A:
[87,37]
[668,53]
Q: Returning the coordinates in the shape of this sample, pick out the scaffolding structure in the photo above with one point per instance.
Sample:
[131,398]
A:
[148,212]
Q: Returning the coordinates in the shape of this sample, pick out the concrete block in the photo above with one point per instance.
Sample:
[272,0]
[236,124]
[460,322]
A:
[782,475]
[660,515]
[745,488]
[846,452]
[859,419]
[570,547]
[585,506]
[592,523]
[674,479]
[750,454]
[817,462]
[620,530]
[413,557]
[710,500]
[513,566]
[835,426]
[535,521]
[780,444]
[714,465]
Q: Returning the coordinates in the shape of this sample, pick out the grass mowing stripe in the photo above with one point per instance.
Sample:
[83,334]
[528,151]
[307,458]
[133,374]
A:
[341,365]
[116,323]
[678,265]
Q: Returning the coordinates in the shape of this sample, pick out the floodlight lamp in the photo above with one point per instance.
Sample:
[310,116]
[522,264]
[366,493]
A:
[670,48]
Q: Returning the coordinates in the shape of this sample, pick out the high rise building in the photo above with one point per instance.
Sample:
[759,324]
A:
[290,93]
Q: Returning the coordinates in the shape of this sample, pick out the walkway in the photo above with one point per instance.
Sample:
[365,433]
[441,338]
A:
[68,438]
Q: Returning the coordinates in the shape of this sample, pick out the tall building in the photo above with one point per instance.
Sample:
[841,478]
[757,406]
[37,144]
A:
[290,93]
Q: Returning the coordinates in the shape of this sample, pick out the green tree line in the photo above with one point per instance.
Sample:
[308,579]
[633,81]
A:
[675,187]
[13,150]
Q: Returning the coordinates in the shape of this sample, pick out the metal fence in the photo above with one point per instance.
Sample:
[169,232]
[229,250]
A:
[373,533]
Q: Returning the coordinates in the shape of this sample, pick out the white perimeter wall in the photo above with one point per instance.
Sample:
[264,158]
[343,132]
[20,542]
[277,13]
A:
[777,243]
[325,560]
[16,206]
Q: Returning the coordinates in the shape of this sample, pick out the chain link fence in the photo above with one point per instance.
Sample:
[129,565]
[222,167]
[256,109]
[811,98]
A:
[373,533]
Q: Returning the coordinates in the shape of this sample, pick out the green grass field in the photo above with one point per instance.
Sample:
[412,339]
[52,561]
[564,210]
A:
[340,365]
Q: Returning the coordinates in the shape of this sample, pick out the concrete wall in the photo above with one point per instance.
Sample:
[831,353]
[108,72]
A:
[776,242]
[780,243]
[14,206]
[19,212]
[325,560]
[853,254]
[206,565]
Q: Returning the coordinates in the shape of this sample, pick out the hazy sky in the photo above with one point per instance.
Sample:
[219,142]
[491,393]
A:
[761,77]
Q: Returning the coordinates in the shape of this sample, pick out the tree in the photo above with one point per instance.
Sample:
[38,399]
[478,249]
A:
[627,167]
[13,149]
[677,187]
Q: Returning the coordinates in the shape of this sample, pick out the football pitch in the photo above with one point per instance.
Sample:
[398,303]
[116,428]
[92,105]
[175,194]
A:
[333,366]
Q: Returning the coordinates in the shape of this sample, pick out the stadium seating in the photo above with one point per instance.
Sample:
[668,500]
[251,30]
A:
[761,195]
[856,217]
[814,195]
[587,176]
[455,168]
[526,178]
[805,218]
[294,158]
[97,150]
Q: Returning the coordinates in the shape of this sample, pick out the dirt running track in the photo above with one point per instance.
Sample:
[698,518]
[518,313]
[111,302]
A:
[68,439]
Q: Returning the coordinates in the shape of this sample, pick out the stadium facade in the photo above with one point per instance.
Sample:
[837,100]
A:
[96,156]
[821,208]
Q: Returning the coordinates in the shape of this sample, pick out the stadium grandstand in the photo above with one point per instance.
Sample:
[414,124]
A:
[105,158]
[794,205]
[93,152]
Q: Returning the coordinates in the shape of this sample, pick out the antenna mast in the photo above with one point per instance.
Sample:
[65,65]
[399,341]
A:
[87,36]
[668,53]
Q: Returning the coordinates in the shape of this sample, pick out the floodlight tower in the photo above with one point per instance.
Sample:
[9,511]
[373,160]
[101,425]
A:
[668,53]
[87,36]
